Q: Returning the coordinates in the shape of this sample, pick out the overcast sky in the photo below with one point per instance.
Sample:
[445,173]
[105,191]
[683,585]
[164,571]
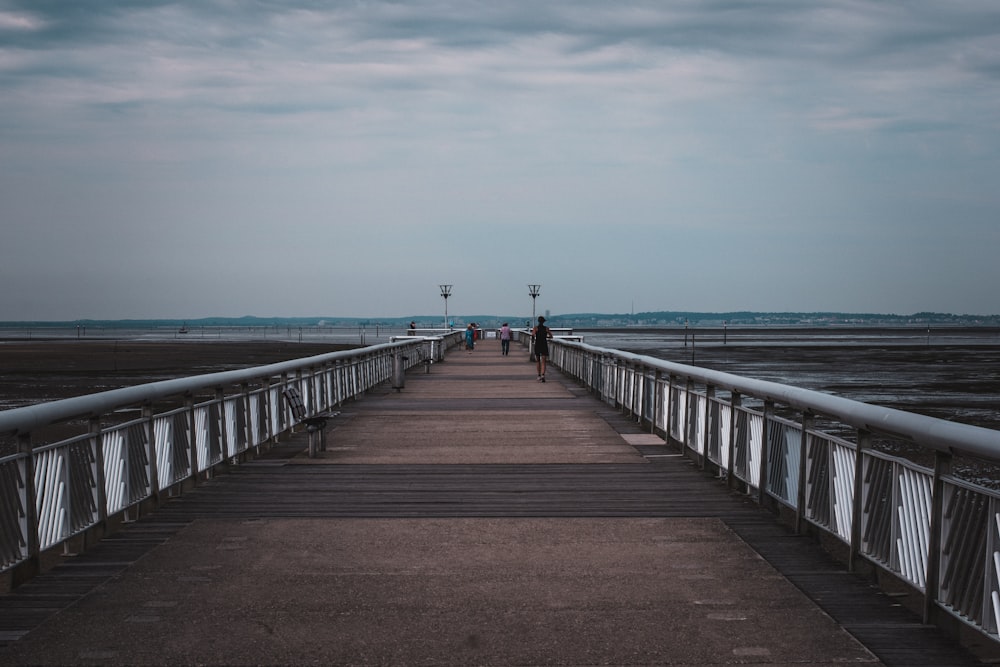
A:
[300,158]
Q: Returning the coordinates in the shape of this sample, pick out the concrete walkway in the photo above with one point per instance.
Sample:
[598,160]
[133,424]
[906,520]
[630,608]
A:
[477,517]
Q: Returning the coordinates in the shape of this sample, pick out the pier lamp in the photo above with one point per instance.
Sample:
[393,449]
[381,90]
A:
[534,291]
[445,293]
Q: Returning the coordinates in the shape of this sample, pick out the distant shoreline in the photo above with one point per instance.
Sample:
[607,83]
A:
[603,321]
[798,329]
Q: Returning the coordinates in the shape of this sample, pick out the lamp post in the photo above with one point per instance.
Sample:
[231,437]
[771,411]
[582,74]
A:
[533,291]
[445,293]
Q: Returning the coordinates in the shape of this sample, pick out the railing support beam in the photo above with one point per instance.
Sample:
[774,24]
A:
[800,496]
[735,401]
[942,468]
[30,498]
[765,450]
[857,509]
[154,474]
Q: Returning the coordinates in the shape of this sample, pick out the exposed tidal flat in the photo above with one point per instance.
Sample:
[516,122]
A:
[949,373]
[36,371]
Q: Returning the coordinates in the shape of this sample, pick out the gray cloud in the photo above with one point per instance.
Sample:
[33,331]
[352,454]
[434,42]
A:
[702,155]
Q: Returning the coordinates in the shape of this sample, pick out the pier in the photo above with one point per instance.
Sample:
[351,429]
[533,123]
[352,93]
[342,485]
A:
[474,516]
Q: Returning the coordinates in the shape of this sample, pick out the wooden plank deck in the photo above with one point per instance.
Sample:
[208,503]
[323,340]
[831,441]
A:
[476,517]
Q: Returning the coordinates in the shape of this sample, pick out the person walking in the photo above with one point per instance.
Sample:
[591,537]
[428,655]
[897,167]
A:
[470,338]
[505,339]
[541,335]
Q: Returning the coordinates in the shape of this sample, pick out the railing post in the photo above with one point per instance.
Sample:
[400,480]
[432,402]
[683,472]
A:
[619,384]
[154,475]
[800,497]
[633,377]
[638,376]
[247,424]
[609,387]
[765,447]
[619,391]
[689,412]
[324,386]
[668,414]
[30,497]
[339,380]
[100,480]
[641,398]
[857,507]
[311,396]
[280,407]
[942,468]
[268,413]
[657,399]
[638,391]
[220,400]
[600,387]
[735,401]
[706,439]
[193,431]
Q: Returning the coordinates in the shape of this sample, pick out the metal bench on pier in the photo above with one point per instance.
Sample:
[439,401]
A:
[315,424]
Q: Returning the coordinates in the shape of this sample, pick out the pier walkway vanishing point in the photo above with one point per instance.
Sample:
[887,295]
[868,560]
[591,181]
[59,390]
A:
[477,517]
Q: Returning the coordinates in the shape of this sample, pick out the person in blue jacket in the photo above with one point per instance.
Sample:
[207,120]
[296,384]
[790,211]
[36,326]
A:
[470,338]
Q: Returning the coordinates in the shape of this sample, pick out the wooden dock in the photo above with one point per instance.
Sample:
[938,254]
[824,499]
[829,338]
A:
[477,516]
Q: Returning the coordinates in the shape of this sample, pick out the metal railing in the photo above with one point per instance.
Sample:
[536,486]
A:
[807,451]
[136,443]
[932,530]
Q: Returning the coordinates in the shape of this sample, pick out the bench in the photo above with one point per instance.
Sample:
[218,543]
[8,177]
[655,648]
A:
[315,424]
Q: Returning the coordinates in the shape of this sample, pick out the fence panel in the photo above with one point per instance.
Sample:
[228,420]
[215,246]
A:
[783,460]
[894,505]
[79,481]
[14,525]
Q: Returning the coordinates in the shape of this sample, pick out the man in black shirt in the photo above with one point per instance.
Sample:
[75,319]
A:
[541,334]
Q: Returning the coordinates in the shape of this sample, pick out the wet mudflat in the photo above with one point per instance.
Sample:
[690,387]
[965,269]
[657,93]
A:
[37,371]
[953,375]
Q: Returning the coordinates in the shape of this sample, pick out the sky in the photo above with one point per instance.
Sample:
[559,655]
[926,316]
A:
[306,158]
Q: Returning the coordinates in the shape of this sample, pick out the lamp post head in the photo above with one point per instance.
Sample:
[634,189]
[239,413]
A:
[534,290]
[445,290]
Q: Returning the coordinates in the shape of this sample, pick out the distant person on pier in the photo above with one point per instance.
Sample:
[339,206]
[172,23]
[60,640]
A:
[470,338]
[505,339]
[413,329]
[541,334]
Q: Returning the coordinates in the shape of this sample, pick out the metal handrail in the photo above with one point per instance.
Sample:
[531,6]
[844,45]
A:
[29,418]
[931,530]
[50,492]
[937,434]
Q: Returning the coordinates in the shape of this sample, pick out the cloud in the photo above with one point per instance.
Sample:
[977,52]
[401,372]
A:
[674,150]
